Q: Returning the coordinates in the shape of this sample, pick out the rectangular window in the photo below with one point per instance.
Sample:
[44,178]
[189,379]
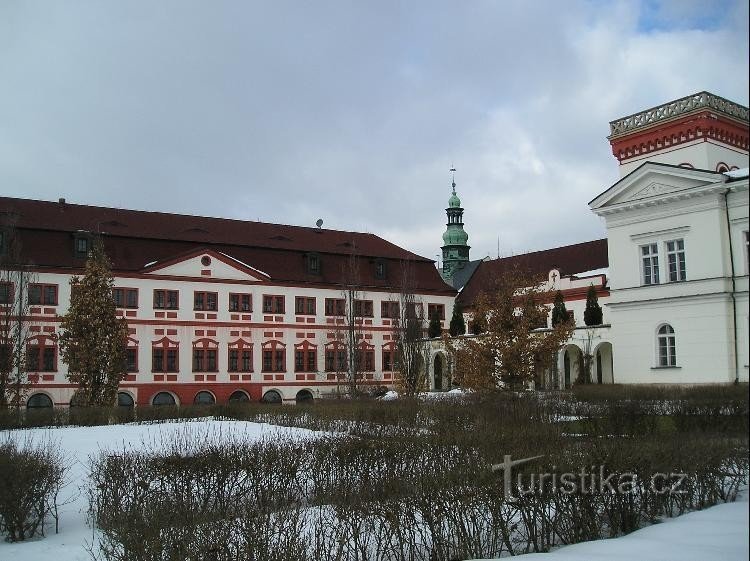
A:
[650,260]
[172,360]
[304,306]
[125,297]
[335,360]
[43,294]
[81,246]
[157,360]
[363,308]
[273,304]
[274,361]
[387,361]
[305,361]
[240,302]
[166,299]
[367,359]
[436,310]
[40,358]
[131,359]
[267,361]
[205,301]
[48,359]
[204,360]
[240,360]
[6,293]
[676,260]
[32,358]
[414,310]
[389,310]
[335,307]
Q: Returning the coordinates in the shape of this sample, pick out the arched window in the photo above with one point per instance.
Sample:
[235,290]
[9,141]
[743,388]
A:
[239,397]
[271,396]
[666,346]
[39,401]
[304,396]
[163,398]
[124,399]
[204,398]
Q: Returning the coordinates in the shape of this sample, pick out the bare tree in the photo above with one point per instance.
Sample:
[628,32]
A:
[349,322]
[412,347]
[15,281]
[588,343]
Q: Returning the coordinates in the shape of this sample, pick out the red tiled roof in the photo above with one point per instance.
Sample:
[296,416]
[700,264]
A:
[135,238]
[569,260]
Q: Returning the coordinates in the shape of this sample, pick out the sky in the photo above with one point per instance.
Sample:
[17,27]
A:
[351,112]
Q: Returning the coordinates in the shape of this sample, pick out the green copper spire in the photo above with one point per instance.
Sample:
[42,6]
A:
[455,247]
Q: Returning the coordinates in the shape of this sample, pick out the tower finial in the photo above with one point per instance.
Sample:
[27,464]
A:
[453,178]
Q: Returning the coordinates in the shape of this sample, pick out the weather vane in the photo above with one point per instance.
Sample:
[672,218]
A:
[453,177]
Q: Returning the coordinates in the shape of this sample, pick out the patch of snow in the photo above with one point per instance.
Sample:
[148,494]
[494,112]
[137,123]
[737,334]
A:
[78,443]
[738,173]
[593,272]
[718,533]
[390,396]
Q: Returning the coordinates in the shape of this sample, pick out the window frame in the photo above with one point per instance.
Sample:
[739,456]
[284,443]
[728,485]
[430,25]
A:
[653,263]
[390,309]
[165,292]
[435,306]
[42,347]
[9,288]
[666,340]
[273,301]
[240,296]
[335,307]
[306,360]
[43,288]
[305,301]
[126,293]
[203,297]
[680,265]
[362,307]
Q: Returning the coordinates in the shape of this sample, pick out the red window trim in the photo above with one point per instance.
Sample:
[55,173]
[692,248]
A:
[305,301]
[165,345]
[276,298]
[126,290]
[42,343]
[165,299]
[239,302]
[204,299]
[362,308]
[240,346]
[335,309]
[273,347]
[42,286]
[389,309]
[439,307]
[132,344]
[307,349]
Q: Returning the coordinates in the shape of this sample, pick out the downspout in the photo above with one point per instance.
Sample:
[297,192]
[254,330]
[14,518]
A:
[734,287]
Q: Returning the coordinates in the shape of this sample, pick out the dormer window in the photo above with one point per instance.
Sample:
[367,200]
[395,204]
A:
[380,269]
[81,246]
[313,263]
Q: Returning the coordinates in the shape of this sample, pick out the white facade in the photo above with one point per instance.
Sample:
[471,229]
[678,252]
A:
[677,325]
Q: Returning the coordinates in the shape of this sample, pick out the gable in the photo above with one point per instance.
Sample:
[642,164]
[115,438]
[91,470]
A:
[652,181]
[206,264]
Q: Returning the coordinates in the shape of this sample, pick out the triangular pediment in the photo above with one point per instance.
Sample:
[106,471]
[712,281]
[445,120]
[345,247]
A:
[205,263]
[652,181]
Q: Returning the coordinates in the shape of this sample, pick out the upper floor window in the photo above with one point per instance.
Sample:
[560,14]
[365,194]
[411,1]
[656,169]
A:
[313,263]
[125,297]
[666,346]
[676,260]
[274,360]
[335,307]
[305,360]
[381,270]
[166,299]
[363,308]
[205,301]
[304,306]
[240,360]
[44,294]
[240,302]
[82,244]
[436,310]
[389,309]
[414,310]
[165,359]
[273,304]
[650,261]
[204,360]
[6,293]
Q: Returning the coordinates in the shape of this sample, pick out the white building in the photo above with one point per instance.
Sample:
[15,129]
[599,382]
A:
[677,231]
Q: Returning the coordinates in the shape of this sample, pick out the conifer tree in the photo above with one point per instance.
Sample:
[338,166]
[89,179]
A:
[592,315]
[434,329]
[559,311]
[457,324]
[93,338]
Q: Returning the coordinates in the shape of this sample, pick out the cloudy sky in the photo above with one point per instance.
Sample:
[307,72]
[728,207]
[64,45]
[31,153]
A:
[352,112]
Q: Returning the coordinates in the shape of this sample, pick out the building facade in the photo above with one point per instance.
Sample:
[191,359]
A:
[220,310]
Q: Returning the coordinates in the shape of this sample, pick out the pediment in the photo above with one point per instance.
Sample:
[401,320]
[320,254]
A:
[205,263]
[652,181]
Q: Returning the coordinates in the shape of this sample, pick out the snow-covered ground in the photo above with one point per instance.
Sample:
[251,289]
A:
[717,533]
[78,443]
